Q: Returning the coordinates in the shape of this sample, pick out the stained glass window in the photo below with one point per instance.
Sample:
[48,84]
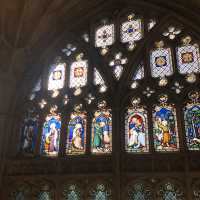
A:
[22,192]
[98,79]
[165,131]
[51,133]
[131,30]
[29,132]
[76,133]
[45,193]
[72,192]
[100,192]
[196,190]
[192,122]
[56,76]
[105,36]
[139,191]
[161,61]
[188,57]
[136,128]
[139,74]
[169,191]
[102,130]
[78,74]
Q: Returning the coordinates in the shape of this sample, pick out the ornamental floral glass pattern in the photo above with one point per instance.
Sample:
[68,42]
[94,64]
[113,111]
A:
[100,192]
[76,133]
[51,134]
[165,131]
[192,122]
[101,140]
[78,74]
[29,132]
[72,192]
[136,129]
[139,191]
[161,61]
[105,36]
[169,191]
[98,79]
[56,77]
[139,74]
[131,30]
[188,57]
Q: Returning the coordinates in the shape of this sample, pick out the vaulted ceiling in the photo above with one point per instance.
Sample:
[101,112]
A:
[30,27]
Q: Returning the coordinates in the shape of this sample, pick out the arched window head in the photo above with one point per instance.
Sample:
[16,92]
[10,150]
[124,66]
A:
[136,128]
[165,132]
[101,139]
[76,133]
[51,133]
[161,61]
[192,121]
[100,192]
[139,191]
[170,191]
[45,193]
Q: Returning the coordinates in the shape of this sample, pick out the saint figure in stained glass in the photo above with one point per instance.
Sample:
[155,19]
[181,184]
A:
[57,75]
[136,128]
[72,192]
[51,133]
[192,122]
[102,130]
[76,135]
[165,126]
[29,132]
[100,193]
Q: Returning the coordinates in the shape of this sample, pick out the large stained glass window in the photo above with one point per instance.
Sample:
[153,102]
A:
[139,191]
[76,133]
[192,122]
[78,73]
[29,132]
[170,191]
[136,128]
[188,57]
[72,192]
[56,76]
[100,192]
[161,61]
[51,133]
[165,131]
[101,140]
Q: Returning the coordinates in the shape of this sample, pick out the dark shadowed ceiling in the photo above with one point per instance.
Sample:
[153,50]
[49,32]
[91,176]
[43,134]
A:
[30,27]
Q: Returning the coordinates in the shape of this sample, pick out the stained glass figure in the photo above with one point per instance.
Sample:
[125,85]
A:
[136,128]
[188,57]
[131,31]
[78,72]
[56,76]
[29,132]
[51,133]
[117,65]
[72,192]
[76,133]
[192,122]
[139,191]
[98,79]
[169,191]
[105,35]
[161,61]
[100,192]
[102,130]
[165,131]
[139,74]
